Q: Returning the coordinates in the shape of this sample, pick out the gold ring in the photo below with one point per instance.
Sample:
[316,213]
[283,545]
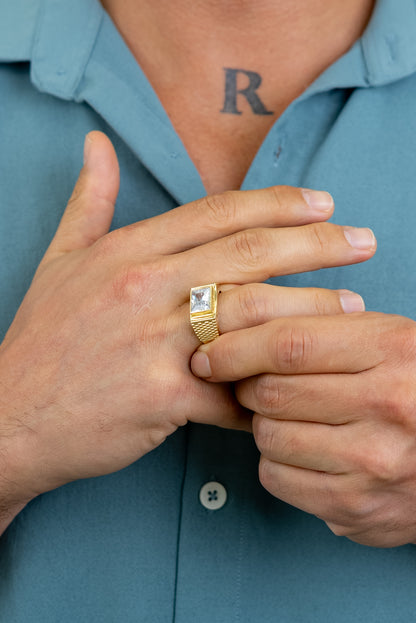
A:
[203,312]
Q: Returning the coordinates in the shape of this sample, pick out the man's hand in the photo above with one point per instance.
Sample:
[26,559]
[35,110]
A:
[95,367]
[335,416]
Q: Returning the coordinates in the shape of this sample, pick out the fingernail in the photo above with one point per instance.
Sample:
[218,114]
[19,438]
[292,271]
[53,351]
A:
[318,200]
[87,149]
[200,365]
[351,301]
[360,238]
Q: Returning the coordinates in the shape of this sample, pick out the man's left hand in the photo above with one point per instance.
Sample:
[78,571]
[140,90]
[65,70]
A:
[334,402]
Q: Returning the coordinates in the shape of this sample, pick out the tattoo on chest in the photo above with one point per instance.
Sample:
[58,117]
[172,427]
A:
[249,91]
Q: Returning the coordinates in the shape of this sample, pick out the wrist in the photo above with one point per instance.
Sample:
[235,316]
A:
[15,471]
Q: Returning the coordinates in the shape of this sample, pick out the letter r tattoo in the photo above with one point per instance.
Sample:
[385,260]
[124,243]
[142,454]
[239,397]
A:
[249,92]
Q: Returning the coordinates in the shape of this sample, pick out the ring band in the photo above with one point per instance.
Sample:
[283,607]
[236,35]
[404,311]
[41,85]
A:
[203,312]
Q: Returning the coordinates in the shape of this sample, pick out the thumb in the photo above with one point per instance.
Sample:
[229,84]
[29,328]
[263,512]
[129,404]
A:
[90,209]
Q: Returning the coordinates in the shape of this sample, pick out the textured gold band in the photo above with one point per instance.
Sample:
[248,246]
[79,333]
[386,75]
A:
[203,312]
[205,330]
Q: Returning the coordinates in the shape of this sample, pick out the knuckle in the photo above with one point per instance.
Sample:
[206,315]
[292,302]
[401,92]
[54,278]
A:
[279,197]
[252,305]
[292,349]
[140,235]
[221,207]
[398,406]
[267,394]
[317,237]
[265,434]
[382,464]
[395,404]
[292,447]
[108,245]
[156,435]
[225,356]
[266,476]
[353,507]
[137,285]
[324,302]
[376,401]
[128,283]
[76,195]
[222,356]
[339,530]
[136,235]
[395,335]
[247,248]
[405,336]
[171,400]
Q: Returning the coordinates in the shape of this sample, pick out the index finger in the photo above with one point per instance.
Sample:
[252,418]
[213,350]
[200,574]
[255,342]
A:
[216,216]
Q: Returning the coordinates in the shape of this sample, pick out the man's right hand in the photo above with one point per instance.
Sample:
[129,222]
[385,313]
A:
[95,369]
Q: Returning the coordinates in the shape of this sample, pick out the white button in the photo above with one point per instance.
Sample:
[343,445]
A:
[213,495]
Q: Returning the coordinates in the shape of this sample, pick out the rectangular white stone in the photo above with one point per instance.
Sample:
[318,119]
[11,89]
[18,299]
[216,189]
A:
[201,299]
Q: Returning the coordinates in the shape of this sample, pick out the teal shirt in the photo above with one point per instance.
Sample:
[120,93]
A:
[138,545]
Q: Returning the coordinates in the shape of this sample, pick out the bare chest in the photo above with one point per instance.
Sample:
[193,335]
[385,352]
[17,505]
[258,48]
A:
[223,131]
[227,71]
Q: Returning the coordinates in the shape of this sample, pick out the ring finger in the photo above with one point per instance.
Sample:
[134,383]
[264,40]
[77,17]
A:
[240,307]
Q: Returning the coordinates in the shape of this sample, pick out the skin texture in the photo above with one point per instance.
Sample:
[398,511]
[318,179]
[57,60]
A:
[332,394]
[105,322]
[333,397]
[184,46]
[334,416]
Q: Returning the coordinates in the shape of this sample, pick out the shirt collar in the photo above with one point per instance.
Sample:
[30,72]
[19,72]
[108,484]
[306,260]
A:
[389,42]
[67,46]
[385,53]
[57,36]
[64,39]
[18,21]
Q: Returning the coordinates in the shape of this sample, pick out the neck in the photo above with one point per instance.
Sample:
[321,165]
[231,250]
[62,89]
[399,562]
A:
[225,70]
[196,29]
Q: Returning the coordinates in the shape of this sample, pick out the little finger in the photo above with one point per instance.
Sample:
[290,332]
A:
[328,496]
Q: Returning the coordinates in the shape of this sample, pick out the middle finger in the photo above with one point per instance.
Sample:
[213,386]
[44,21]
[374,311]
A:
[255,255]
